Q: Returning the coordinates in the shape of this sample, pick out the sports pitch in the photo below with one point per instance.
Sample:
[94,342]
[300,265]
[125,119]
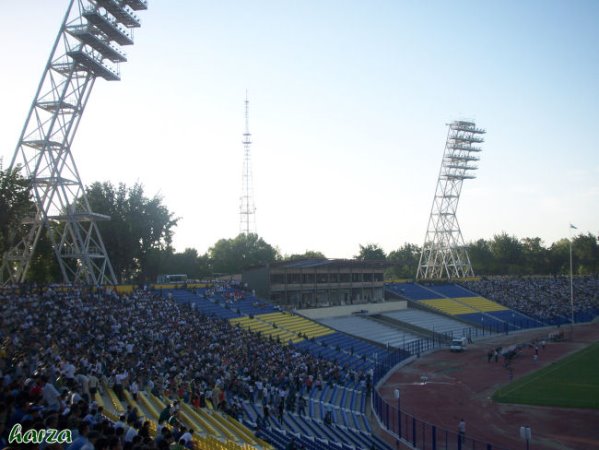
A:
[572,382]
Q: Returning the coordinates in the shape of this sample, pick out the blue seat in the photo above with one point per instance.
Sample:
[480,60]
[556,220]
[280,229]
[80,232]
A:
[451,291]
[411,291]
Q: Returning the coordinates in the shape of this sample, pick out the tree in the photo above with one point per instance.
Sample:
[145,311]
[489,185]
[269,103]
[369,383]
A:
[204,266]
[403,262]
[187,262]
[156,262]
[559,257]
[535,255]
[507,254]
[184,262]
[44,266]
[15,205]
[139,230]
[229,256]
[585,254]
[308,254]
[481,257]
[370,252]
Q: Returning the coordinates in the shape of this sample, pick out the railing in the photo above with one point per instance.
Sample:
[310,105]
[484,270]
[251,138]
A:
[417,433]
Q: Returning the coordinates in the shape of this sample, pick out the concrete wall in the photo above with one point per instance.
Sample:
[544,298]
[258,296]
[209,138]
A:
[347,310]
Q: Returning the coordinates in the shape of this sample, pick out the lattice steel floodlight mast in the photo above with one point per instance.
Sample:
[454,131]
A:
[87,47]
[247,210]
[444,254]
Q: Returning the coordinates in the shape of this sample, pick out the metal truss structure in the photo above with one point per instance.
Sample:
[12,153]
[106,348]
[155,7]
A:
[444,254]
[87,47]
[247,210]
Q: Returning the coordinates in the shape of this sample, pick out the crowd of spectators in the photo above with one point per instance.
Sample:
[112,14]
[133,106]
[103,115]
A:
[59,346]
[545,298]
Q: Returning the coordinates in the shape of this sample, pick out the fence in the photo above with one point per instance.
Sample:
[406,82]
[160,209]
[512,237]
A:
[421,435]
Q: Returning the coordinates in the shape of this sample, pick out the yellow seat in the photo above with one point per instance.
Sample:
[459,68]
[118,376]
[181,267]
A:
[449,306]
[482,304]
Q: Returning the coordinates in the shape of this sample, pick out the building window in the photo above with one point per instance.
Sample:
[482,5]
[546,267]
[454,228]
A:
[277,278]
[308,278]
[294,278]
[322,278]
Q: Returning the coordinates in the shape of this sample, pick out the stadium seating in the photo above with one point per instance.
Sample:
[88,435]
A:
[486,321]
[347,401]
[320,349]
[463,304]
[366,328]
[448,306]
[214,309]
[481,304]
[266,329]
[312,428]
[412,291]
[211,431]
[220,304]
[305,334]
[205,306]
[295,324]
[347,397]
[515,319]
[352,346]
[428,321]
[451,290]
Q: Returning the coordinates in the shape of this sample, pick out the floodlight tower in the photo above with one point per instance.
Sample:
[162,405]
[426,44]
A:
[444,254]
[247,210]
[87,47]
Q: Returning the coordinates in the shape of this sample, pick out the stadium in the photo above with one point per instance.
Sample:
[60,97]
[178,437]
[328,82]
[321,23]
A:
[292,353]
[309,384]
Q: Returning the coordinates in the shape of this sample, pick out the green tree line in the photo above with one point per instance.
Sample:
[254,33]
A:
[505,254]
[139,238]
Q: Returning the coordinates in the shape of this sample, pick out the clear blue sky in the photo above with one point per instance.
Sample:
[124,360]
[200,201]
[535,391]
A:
[348,106]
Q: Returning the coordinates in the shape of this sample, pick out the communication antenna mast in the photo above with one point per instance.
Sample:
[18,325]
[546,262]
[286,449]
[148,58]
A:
[87,47]
[247,210]
[444,254]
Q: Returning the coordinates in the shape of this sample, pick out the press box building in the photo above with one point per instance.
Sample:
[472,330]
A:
[312,283]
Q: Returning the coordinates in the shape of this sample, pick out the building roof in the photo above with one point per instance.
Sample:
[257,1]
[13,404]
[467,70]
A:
[329,263]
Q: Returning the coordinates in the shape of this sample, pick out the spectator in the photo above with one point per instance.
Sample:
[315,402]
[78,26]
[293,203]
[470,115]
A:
[544,298]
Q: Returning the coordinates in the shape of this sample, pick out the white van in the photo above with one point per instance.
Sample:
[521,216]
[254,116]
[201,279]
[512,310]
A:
[458,344]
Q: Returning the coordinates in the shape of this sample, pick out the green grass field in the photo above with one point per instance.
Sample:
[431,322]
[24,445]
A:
[572,382]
